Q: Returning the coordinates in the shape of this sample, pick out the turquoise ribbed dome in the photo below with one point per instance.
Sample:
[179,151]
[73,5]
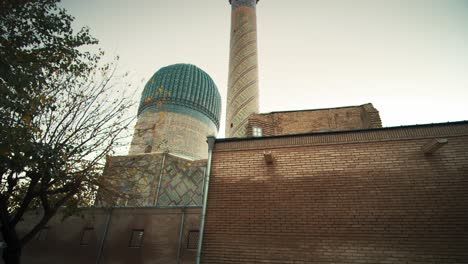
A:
[182,88]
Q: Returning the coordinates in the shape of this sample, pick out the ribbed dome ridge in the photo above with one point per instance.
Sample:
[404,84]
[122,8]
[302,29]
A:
[185,85]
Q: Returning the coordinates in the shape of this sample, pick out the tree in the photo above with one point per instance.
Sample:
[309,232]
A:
[59,116]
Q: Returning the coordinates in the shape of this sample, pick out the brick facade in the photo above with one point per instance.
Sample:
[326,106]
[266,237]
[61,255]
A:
[164,194]
[163,241]
[367,196]
[317,120]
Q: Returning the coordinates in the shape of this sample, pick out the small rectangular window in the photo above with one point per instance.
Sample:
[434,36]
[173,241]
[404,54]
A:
[42,235]
[193,238]
[257,131]
[86,236]
[136,239]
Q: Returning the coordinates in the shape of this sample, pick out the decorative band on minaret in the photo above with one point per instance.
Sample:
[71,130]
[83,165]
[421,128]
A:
[242,99]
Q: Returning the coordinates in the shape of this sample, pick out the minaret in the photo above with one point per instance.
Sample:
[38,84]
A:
[242,99]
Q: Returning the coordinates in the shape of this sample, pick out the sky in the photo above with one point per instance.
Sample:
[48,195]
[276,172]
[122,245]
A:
[409,58]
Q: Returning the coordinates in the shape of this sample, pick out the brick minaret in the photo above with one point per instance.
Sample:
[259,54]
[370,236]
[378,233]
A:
[242,99]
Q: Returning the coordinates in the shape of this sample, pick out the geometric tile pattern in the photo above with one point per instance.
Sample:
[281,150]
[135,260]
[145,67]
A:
[182,183]
[135,181]
[134,178]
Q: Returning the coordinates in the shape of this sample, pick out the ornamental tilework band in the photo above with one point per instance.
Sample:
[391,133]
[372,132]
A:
[171,132]
[249,3]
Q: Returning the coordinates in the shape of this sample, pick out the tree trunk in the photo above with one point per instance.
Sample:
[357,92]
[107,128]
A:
[11,255]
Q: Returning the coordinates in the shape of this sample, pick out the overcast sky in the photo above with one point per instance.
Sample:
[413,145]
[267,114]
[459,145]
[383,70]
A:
[407,57]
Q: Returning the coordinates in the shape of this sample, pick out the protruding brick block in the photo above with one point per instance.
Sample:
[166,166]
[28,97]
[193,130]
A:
[434,145]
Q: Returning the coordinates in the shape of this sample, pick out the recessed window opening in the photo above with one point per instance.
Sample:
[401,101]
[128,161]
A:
[86,236]
[136,238]
[193,237]
[257,131]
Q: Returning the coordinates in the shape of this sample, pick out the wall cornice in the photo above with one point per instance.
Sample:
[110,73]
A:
[346,137]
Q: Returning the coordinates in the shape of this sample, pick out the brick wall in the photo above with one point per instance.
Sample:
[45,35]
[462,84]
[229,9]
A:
[160,243]
[317,120]
[354,197]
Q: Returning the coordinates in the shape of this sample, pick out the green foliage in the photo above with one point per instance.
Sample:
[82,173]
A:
[37,44]
[59,115]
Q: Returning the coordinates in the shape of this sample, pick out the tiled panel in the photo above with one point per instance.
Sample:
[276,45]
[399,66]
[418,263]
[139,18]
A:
[181,184]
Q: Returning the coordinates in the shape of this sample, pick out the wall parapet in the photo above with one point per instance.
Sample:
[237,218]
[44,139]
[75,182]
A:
[346,137]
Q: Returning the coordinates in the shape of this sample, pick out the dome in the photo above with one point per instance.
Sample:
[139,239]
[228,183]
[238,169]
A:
[183,88]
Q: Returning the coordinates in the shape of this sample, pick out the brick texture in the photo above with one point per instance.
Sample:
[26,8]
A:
[161,242]
[367,201]
[318,120]
[242,94]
